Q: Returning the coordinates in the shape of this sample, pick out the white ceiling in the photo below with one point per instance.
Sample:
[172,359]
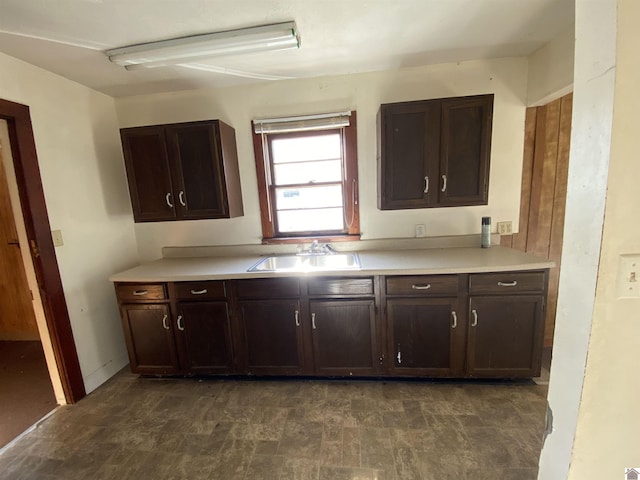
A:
[68,37]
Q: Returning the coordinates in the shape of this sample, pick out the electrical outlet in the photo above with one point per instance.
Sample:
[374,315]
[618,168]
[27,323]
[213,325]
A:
[505,228]
[628,284]
[57,238]
[421,231]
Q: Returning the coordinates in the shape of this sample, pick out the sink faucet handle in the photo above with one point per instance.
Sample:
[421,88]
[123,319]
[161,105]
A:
[327,247]
[314,247]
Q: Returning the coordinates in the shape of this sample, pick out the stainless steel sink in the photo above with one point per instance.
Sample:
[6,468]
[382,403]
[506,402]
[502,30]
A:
[307,263]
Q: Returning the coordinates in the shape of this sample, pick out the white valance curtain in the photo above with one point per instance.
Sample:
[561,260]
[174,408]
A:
[322,121]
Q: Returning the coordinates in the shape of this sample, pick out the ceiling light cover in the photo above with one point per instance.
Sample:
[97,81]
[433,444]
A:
[280,36]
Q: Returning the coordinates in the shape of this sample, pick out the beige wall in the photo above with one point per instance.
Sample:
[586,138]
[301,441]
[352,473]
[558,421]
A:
[81,166]
[363,92]
[609,417]
[551,69]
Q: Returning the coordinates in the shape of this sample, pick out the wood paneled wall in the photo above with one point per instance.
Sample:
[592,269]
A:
[544,190]
[17,318]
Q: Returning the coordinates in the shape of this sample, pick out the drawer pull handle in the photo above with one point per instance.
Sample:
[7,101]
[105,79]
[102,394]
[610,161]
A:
[399,356]
[421,287]
[199,292]
[507,284]
[313,321]
[168,199]
[444,183]
[165,325]
[181,198]
[297,315]
[426,184]
[178,322]
[475,318]
[455,319]
[138,293]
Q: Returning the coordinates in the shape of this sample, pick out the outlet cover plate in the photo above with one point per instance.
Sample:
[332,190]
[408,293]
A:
[505,228]
[421,231]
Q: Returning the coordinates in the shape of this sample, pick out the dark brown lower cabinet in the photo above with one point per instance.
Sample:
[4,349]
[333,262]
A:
[330,326]
[203,336]
[426,337]
[149,334]
[273,336]
[344,337]
[505,336]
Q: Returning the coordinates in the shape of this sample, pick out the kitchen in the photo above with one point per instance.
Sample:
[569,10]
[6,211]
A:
[100,237]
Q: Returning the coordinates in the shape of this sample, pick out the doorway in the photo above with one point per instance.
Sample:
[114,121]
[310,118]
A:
[27,392]
[38,251]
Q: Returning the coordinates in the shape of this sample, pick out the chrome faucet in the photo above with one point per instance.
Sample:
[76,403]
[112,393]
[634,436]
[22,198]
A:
[316,249]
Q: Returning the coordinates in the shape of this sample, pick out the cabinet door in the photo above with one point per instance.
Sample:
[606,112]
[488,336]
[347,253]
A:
[149,335]
[197,170]
[147,164]
[273,336]
[464,151]
[408,155]
[344,337]
[204,337]
[425,337]
[505,336]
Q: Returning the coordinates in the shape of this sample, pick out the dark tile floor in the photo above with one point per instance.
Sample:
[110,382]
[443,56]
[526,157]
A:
[145,428]
[26,394]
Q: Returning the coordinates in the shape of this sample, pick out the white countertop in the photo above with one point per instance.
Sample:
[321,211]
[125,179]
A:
[373,262]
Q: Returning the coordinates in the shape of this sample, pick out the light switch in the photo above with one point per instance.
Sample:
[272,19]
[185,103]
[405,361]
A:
[57,238]
[628,284]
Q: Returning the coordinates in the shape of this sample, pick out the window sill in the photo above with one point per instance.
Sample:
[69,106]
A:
[319,238]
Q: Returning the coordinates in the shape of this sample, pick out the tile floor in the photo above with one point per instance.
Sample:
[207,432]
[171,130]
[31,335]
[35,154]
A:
[144,428]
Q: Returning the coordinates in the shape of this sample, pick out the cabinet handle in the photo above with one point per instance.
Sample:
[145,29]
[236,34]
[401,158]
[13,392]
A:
[455,319]
[297,315]
[444,183]
[399,357]
[508,284]
[199,292]
[475,318]
[313,321]
[178,322]
[168,199]
[181,198]
[138,293]
[426,184]
[165,325]
[421,287]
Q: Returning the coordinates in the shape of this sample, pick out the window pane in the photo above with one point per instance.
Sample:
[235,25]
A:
[308,172]
[326,219]
[304,149]
[308,197]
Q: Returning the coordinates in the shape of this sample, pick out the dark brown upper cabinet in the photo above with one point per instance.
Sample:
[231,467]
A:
[434,153]
[182,171]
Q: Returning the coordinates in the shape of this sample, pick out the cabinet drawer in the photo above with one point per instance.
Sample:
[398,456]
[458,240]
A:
[506,282]
[268,288]
[135,292]
[423,285]
[199,290]
[340,286]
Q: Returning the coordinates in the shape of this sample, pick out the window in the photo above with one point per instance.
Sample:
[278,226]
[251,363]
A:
[307,176]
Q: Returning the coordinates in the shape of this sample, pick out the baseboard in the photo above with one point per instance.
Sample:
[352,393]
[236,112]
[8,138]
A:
[104,373]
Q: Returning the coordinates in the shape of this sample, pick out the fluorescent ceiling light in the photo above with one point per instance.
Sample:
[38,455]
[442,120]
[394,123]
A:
[280,36]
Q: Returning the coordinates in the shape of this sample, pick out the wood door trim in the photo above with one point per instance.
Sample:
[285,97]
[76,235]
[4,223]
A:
[36,219]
